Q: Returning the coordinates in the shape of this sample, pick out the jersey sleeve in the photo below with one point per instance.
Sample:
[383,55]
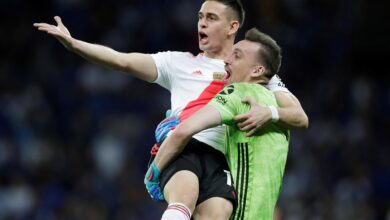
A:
[276,85]
[226,102]
[164,63]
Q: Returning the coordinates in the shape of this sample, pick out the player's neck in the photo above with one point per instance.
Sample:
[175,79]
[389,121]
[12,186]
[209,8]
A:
[258,81]
[219,54]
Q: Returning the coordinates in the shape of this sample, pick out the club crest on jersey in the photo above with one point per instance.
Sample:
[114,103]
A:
[219,75]
[227,90]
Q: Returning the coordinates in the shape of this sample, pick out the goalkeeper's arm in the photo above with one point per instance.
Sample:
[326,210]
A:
[173,145]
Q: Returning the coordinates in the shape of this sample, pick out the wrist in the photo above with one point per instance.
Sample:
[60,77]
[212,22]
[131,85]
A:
[73,45]
[274,113]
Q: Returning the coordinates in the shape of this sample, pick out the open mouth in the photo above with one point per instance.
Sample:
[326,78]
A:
[228,72]
[203,38]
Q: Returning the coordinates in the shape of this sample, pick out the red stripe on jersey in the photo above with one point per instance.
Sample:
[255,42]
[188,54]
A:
[204,98]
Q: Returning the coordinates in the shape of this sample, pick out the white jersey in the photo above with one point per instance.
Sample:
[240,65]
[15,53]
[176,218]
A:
[193,81]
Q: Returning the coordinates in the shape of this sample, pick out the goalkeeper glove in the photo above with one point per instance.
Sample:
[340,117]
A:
[165,126]
[152,183]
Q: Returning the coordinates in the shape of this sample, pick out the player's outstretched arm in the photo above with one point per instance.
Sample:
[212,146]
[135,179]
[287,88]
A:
[138,65]
[290,111]
[173,145]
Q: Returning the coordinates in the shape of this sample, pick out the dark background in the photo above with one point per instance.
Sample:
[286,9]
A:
[75,137]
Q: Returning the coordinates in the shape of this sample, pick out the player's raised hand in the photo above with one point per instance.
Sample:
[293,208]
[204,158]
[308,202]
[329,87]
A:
[60,31]
[254,119]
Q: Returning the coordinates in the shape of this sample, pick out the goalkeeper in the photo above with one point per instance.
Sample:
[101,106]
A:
[257,163]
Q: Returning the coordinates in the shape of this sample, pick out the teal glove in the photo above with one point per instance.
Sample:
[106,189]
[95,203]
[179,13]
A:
[152,183]
[165,126]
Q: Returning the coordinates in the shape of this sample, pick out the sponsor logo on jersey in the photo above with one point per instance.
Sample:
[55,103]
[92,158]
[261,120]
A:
[221,99]
[227,90]
[219,75]
[197,72]
[281,84]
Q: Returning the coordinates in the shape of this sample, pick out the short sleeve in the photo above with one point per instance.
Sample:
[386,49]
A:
[163,61]
[276,85]
[226,103]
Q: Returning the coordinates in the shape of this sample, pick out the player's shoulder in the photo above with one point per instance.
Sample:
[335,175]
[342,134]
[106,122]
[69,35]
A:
[234,91]
[182,54]
[276,81]
[244,86]
[243,89]
[229,89]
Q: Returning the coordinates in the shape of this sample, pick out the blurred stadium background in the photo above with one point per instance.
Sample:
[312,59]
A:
[75,137]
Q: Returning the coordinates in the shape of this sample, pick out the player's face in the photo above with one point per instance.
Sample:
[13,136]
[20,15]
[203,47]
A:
[242,62]
[213,26]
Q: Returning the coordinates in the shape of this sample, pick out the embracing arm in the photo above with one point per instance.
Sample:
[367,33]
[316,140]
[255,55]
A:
[174,144]
[138,65]
[291,114]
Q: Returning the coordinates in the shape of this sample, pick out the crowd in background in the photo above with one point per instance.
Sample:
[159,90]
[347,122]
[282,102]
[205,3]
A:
[75,137]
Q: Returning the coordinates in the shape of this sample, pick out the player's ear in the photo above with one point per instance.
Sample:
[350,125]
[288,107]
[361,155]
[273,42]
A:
[234,26]
[258,71]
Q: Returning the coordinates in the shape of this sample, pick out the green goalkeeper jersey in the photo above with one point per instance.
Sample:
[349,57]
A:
[257,163]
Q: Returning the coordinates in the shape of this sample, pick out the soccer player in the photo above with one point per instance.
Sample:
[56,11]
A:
[193,81]
[257,163]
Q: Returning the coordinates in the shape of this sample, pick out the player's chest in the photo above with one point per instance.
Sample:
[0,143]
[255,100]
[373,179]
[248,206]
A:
[200,71]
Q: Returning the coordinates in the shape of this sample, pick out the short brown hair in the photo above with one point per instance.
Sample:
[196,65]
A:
[270,52]
[236,7]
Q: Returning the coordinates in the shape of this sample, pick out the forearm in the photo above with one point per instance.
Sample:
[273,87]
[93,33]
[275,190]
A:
[97,53]
[136,64]
[292,118]
[175,143]
[170,149]
[291,113]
